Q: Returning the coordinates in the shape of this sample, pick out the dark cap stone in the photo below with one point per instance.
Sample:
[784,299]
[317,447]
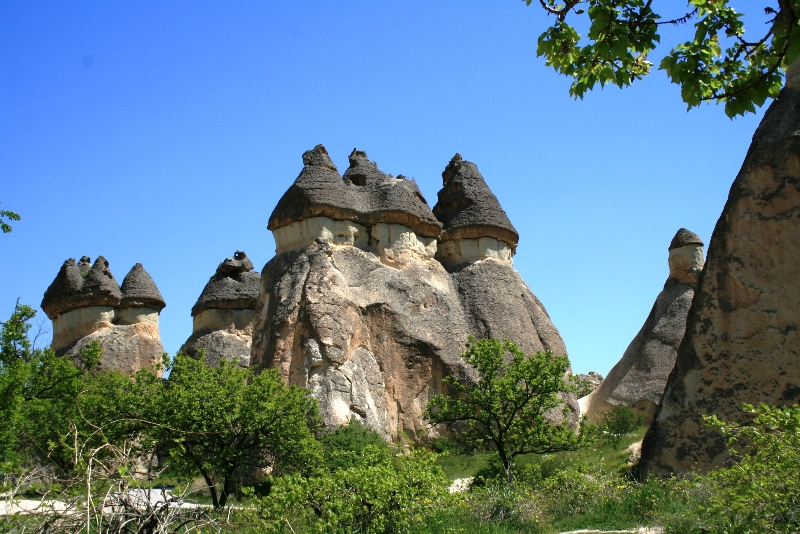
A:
[139,289]
[467,207]
[100,288]
[235,286]
[364,195]
[63,294]
[685,237]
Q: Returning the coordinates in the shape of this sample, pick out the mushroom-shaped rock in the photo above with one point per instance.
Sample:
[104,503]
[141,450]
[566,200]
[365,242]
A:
[344,209]
[235,286]
[86,304]
[64,293]
[639,378]
[686,257]
[474,225]
[139,289]
[100,288]
[223,315]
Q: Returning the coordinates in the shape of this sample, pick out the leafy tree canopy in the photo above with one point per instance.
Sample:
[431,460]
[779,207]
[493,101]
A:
[226,423]
[510,406]
[9,215]
[719,64]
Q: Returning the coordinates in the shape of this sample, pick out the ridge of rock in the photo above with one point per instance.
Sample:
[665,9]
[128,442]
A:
[139,289]
[467,208]
[234,285]
[364,195]
[741,343]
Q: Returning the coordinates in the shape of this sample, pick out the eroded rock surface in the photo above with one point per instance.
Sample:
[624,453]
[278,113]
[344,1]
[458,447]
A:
[223,314]
[85,303]
[639,378]
[742,343]
[357,308]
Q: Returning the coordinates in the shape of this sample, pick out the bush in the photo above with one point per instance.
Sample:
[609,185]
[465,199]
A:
[383,491]
[760,493]
[617,423]
[344,447]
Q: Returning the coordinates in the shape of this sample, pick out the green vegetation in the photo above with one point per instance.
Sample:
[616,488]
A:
[719,64]
[510,406]
[11,216]
[97,442]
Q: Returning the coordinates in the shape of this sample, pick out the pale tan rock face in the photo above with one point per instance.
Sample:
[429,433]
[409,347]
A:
[458,250]
[742,343]
[373,339]
[686,264]
[126,348]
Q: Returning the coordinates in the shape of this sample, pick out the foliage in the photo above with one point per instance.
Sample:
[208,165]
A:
[383,492]
[617,423]
[344,447]
[226,423]
[507,407]
[38,392]
[11,216]
[622,33]
[761,491]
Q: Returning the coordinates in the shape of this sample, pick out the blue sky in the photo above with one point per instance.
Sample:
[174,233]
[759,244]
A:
[165,133]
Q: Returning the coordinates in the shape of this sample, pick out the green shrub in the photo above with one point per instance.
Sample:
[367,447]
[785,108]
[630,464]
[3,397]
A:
[760,493]
[344,447]
[384,491]
[617,423]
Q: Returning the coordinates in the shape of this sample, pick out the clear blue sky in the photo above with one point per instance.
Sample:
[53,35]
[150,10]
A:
[165,133]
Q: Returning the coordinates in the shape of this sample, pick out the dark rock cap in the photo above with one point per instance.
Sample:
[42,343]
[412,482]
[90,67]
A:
[364,195]
[63,294]
[684,237]
[467,207]
[139,289]
[79,285]
[100,288]
[235,286]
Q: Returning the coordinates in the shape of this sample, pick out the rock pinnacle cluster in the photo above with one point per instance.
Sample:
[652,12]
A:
[371,295]
[85,303]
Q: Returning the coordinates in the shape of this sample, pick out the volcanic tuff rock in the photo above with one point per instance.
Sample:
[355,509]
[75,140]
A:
[355,307]
[742,343]
[86,303]
[469,210]
[638,379]
[223,315]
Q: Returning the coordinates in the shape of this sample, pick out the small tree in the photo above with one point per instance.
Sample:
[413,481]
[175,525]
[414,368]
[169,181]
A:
[507,407]
[225,422]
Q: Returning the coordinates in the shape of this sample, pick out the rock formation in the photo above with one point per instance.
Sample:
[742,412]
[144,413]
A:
[638,379]
[356,306]
[223,315]
[85,303]
[742,343]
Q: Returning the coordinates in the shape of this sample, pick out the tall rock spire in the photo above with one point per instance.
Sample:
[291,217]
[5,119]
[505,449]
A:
[742,343]
[638,379]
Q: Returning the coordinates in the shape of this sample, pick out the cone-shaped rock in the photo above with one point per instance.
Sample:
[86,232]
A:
[742,341]
[365,196]
[100,288]
[223,315]
[638,379]
[467,207]
[139,289]
[234,286]
[64,294]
